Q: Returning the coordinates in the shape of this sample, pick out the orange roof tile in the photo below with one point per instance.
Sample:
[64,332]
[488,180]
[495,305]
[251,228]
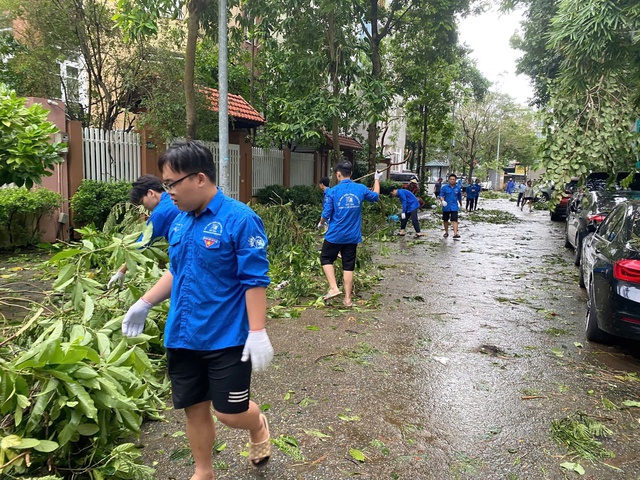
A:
[239,108]
[347,143]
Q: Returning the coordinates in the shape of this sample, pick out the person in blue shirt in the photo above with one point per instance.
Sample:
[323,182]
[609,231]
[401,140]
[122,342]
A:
[215,330]
[473,190]
[479,188]
[450,197]
[323,184]
[410,207]
[344,208]
[147,191]
[511,186]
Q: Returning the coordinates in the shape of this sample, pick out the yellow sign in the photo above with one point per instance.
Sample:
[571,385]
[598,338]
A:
[520,170]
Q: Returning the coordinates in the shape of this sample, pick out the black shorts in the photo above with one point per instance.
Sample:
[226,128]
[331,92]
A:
[453,216]
[330,253]
[528,199]
[219,376]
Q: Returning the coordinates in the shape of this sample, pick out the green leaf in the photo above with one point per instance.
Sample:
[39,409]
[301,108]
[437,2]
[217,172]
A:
[46,446]
[357,455]
[573,467]
[631,403]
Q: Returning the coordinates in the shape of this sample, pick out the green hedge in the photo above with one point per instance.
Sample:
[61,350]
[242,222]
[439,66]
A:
[94,200]
[20,212]
[297,195]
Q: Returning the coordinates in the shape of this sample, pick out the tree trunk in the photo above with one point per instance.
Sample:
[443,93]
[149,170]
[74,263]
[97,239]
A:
[335,126]
[193,24]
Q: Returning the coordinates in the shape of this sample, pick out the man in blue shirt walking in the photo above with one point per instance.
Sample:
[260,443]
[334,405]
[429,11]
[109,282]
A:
[473,190]
[410,207]
[450,197]
[344,207]
[215,331]
[147,191]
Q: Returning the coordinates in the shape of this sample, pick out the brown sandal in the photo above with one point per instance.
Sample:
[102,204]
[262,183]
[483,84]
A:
[260,453]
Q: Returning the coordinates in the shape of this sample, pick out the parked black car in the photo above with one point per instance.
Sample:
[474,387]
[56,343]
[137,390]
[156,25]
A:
[610,270]
[587,208]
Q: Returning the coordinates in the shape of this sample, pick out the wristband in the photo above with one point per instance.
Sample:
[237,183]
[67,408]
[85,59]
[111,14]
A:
[256,331]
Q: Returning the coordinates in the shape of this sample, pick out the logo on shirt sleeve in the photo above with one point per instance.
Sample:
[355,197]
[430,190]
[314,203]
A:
[257,242]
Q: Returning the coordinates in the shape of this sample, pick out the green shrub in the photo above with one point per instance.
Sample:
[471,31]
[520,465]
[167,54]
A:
[20,212]
[272,195]
[304,195]
[94,200]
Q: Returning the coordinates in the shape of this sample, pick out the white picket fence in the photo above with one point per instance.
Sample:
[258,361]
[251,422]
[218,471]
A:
[110,155]
[301,168]
[234,167]
[267,167]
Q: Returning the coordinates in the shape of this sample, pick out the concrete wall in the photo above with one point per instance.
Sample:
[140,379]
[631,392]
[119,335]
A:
[49,226]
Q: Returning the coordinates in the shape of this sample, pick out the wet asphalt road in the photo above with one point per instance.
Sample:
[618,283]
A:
[476,348]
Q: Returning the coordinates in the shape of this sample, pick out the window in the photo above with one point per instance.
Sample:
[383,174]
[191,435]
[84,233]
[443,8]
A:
[73,88]
[612,225]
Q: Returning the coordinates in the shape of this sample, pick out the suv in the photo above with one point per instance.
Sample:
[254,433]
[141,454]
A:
[403,177]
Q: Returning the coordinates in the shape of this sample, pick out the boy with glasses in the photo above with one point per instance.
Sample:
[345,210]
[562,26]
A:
[215,330]
[150,192]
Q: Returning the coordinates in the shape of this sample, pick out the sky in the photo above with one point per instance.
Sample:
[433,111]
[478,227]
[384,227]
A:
[488,36]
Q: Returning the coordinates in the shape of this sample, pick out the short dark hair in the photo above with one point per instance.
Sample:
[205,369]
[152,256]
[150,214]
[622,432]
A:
[453,175]
[142,185]
[324,181]
[189,156]
[344,167]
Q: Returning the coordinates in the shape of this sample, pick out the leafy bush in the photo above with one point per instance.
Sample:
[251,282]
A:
[26,151]
[297,195]
[272,195]
[20,212]
[93,201]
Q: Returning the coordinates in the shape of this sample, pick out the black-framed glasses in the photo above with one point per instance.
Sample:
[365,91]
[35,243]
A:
[169,186]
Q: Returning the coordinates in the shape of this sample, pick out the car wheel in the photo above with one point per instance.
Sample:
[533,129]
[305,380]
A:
[592,330]
[581,276]
[555,217]
[578,251]
[545,197]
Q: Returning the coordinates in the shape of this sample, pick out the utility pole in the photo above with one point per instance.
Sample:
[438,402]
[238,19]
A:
[223,98]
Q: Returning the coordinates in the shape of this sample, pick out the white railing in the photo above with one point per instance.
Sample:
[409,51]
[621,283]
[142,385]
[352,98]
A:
[233,190]
[301,168]
[110,155]
[267,168]
[234,167]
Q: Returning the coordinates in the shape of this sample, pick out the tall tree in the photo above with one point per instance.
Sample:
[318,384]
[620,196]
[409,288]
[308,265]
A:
[81,31]
[139,20]
[592,49]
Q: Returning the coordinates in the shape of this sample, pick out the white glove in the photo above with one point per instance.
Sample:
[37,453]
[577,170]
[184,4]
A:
[403,215]
[259,349]
[133,322]
[321,225]
[379,174]
[444,204]
[116,279]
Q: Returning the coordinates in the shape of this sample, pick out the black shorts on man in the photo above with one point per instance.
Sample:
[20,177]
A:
[219,376]
[450,216]
[347,251]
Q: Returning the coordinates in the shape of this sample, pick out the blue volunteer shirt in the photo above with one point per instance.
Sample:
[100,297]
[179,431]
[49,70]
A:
[408,200]
[215,258]
[473,191]
[325,199]
[451,195]
[162,217]
[344,208]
